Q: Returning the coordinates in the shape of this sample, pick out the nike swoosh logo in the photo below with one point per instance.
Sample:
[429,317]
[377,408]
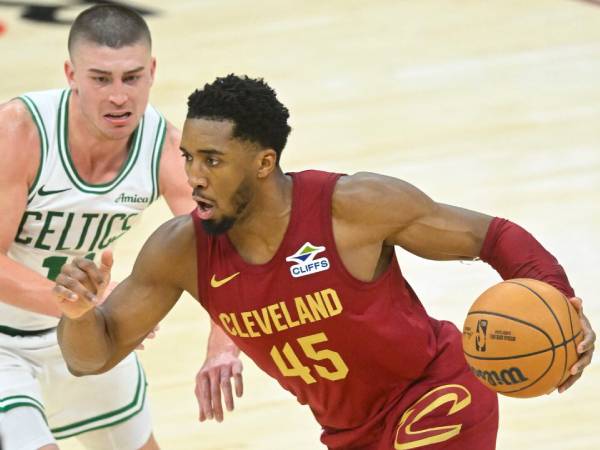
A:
[41,191]
[218,283]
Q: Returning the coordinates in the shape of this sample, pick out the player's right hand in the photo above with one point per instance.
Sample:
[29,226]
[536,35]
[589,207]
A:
[81,285]
[585,348]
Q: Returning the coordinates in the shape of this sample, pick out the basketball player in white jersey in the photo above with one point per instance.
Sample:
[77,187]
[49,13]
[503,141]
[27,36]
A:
[79,166]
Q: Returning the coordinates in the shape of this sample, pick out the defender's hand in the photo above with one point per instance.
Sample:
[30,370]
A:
[214,379]
[585,347]
[150,335]
[81,285]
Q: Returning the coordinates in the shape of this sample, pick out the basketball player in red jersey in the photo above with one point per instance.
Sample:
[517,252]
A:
[300,271]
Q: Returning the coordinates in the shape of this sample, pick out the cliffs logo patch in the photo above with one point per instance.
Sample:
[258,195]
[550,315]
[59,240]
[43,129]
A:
[306,264]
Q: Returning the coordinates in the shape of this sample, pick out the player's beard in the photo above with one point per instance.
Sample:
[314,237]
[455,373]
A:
[240,200]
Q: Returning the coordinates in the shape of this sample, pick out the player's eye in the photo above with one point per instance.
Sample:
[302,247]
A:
[211,161]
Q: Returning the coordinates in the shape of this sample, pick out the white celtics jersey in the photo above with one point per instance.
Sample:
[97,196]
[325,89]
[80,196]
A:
[67,217]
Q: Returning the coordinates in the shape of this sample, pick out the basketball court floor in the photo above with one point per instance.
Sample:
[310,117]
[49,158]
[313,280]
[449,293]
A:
[489,105]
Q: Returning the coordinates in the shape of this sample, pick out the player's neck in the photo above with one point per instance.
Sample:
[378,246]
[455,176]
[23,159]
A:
[96,158]
[258,235]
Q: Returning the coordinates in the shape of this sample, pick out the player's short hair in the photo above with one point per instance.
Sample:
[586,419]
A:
[251,104]
[113,26]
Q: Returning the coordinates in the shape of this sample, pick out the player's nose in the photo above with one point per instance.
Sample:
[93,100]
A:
[196,175]
[197,181]
[118,95]
[118,98]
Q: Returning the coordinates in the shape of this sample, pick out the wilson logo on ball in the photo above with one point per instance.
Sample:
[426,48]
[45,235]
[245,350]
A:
[510,376]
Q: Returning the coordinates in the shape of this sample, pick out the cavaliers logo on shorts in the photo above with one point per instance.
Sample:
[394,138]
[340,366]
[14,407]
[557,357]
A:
[430,419]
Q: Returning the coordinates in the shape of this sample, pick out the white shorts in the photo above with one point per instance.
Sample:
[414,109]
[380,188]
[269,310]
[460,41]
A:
[33,374]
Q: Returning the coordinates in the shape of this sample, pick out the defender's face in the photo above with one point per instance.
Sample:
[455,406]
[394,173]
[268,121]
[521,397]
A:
[111,86]
[220,170]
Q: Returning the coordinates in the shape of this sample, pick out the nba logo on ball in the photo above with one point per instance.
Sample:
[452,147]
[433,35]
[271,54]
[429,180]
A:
[481,336]
[520,338]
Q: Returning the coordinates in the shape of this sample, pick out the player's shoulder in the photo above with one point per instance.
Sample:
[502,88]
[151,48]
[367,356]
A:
[172,141]
[368,187]
[172,138]
[362,181]
[19,137]
[170,161]
[173,236]
[368,195]
[169,250]
[16,118]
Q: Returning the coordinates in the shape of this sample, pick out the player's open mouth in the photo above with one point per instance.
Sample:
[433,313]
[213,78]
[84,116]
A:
[117,118]
[205,209]
[204,206]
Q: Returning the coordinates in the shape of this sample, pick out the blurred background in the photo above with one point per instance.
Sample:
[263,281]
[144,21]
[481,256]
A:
[491,105]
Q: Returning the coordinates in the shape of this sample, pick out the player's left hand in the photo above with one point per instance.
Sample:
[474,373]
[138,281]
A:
[585,347]
[81,285]
[213,380]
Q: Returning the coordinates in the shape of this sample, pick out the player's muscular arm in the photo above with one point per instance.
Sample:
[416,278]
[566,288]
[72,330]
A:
[222,362]
[20,150]
[93,338]
[372,212]
[439,231]
[172,178]
[387,211]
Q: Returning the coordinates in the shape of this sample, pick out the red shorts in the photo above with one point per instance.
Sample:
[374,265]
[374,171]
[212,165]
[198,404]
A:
[461,414]
[448,409]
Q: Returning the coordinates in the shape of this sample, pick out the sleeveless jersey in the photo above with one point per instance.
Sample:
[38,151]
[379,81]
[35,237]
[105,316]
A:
[349,349]
[67,217]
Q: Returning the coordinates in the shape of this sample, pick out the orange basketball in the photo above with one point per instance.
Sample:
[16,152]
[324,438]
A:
[520,337]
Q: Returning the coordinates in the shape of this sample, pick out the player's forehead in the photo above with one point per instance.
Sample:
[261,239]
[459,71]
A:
[204,133]
[87,52]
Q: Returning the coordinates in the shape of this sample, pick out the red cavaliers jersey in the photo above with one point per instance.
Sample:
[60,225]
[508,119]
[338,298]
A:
[349,349]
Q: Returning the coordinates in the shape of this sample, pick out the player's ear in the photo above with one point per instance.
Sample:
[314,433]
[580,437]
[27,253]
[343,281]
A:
[152,69]
[70,74]
[267,161]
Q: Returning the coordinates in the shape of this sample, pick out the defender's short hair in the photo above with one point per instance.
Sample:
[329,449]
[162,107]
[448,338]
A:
[113,26]
[251,104]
